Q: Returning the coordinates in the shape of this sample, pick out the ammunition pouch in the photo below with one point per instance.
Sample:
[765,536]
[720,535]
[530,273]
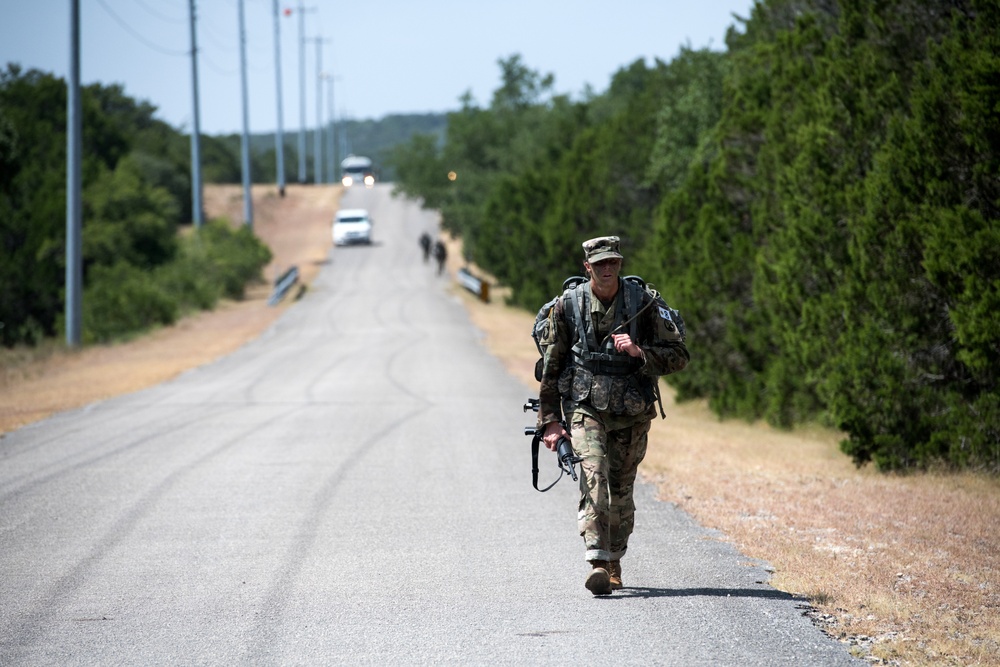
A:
[628,394]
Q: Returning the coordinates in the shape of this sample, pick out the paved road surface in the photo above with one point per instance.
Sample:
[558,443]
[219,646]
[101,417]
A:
[351,488]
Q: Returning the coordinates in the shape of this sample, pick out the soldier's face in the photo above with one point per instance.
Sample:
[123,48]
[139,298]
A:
[605,272]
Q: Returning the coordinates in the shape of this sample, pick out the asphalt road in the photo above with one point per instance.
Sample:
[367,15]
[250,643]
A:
[352,488]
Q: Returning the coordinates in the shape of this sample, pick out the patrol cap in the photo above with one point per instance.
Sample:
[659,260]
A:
[601,248]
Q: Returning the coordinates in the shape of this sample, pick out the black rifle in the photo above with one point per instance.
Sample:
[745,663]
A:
[566,458]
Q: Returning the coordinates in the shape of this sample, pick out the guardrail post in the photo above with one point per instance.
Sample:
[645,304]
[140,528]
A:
[479,287]
[282,284]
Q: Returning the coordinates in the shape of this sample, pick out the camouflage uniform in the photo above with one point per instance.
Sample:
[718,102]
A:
[609,400]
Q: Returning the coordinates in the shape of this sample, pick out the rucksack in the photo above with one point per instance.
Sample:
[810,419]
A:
[540,332]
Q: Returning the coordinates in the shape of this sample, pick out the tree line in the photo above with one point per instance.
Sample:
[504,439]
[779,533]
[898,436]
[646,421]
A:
[139,271]
[375,139]
[820,201]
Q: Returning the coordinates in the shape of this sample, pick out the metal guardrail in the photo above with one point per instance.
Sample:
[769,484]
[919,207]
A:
[480,288]
[282,284]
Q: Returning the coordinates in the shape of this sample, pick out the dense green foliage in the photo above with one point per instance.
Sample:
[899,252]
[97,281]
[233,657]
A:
[136,193]
[820,201]
[219,261]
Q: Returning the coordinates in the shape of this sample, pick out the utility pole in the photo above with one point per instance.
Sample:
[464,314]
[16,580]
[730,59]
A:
[318,136]
[333,131]
[302,90]
[279,136]
[196,205]
[245,143]
[74,210]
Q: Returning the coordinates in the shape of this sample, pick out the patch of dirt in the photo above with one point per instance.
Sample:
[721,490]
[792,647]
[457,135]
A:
[296,227]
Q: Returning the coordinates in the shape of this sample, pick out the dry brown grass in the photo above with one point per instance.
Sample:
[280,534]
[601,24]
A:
[904,568]
[35,386]
[907,565]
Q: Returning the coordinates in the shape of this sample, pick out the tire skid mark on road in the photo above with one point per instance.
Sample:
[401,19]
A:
[398,383]
[256,389]
[403,344]
[165,395]
[281,341]
[11,447]
[176,422]
[390,331]
[27,627]
[340,338]
[322,374]
[355,259]
[318,373]
[416,337]
[266,633]
[277,358]
[394,313]
[328,324]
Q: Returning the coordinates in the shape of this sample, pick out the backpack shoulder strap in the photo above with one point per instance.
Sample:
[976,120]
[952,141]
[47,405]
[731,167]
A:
[579,302]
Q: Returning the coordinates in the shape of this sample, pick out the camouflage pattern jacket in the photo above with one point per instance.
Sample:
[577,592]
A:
[582,371]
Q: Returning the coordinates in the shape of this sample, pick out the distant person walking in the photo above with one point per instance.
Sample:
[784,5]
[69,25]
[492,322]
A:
[440,254]
[425,245]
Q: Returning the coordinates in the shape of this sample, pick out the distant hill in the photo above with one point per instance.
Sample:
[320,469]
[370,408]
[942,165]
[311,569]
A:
[372,138]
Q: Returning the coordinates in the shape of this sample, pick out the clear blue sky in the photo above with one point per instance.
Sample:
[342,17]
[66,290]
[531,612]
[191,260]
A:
[385,56]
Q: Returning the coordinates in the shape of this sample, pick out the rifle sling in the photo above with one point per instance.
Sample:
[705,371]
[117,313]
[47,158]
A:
[534,464]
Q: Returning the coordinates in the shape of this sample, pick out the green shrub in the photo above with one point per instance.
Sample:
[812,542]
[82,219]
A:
[120,300]
[189,279]
[232,257]
[216,262]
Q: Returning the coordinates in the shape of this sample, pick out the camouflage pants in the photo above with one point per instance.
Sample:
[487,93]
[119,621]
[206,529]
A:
[610,462]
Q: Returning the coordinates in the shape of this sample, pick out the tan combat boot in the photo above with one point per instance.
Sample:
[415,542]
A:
[615,574]
[598,581]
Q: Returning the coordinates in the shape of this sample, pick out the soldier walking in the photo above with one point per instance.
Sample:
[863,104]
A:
[425,245]
[605,342]
[440,254]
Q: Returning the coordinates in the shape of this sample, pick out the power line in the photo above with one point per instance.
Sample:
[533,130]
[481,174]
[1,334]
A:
[138,36]
[213,33]
[216,68]
[153,12]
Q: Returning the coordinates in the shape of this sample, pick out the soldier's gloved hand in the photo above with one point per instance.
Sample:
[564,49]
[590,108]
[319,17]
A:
[553,431]
[623,343]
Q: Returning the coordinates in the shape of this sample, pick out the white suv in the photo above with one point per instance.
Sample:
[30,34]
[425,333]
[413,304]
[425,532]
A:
[352,225]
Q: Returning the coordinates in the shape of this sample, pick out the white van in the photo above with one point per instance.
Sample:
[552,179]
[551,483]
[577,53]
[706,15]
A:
[352,225]
[355,170]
